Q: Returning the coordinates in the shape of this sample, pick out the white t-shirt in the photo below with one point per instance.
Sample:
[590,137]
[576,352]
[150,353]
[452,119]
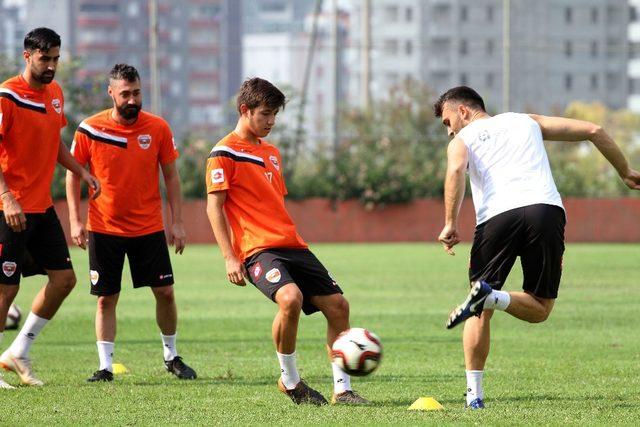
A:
[508,165]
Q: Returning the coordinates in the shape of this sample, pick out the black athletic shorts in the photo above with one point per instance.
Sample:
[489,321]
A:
[535,233]
[42,246]
[148,256]
[271,269]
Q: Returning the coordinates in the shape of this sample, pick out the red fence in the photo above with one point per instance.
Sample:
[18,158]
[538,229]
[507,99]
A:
[318,220]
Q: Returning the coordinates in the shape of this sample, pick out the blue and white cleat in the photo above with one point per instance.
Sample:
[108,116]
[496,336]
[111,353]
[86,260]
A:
[476,403]
[472,306]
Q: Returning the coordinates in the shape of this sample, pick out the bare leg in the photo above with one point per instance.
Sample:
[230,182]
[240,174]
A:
[476,340]
[335,309]
[285,324]
[48,300]
[528,307]
[166,311]
[7,295]
[106,318]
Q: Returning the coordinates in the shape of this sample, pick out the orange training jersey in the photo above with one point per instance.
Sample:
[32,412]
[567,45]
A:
[30,124]
[252,176]
[126,160]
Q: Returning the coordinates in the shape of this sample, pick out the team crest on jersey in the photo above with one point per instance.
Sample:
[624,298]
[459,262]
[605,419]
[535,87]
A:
[274,160]
[273,275]
[256,270]
[57,105]
[144,141]
[94,276]
[8,268]
[217,176]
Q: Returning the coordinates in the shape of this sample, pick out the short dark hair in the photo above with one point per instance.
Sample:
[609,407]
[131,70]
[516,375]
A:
[124,72]
[256,91]
[462,94]
[41,39]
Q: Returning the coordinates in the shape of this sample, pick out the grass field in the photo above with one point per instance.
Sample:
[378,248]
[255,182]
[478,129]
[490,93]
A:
[580,367]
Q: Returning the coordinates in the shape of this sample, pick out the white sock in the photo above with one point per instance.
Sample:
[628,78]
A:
[288,370]
[497,300]
[32,327]
[341,381]
[105,353]
[169,345]
[474,385]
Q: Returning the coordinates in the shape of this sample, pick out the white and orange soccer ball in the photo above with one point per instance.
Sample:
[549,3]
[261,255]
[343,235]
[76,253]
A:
[357,351]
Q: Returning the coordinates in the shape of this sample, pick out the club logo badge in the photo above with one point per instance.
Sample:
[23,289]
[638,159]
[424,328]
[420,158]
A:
[273,275]
[144,141]
[57,105]
[8,268]
[217,176]
[94,276]
[274,160]
[257,270]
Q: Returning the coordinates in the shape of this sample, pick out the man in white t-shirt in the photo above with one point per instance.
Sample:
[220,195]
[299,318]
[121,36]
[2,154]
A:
[518,213]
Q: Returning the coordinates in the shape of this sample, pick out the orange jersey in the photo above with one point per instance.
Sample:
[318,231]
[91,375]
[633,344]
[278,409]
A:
[30,124]
[126,160]
[252,176]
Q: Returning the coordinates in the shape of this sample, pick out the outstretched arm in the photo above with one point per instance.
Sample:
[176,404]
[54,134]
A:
[457,159]
[563,129]
[177,235]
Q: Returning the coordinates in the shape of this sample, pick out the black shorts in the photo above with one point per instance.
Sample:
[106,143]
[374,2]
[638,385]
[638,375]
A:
[535,233]
[271,269]
[42,246]
[148,256]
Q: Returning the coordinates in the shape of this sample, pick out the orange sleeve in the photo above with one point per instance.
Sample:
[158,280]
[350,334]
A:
[6,115]
[219,174]
[168,150]
[80,148]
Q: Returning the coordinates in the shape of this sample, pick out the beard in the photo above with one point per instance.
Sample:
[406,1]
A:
[129,112]
[44,77]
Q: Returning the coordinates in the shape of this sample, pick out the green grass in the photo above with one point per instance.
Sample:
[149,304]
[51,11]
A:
[579,367]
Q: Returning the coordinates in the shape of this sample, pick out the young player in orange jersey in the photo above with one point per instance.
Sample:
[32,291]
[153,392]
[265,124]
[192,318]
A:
[31,238]
[126,148]
[246,195]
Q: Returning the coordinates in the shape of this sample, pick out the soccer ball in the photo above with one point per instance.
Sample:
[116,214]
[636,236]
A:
[357,351]
[13,317]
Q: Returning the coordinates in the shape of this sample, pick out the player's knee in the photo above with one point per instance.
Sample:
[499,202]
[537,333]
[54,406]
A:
[542,315]
[290,301]
[340,309]
[107,303]
[164,293]
[65,282]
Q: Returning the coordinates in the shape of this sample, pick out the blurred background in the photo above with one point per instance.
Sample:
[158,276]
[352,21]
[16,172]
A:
[360,76]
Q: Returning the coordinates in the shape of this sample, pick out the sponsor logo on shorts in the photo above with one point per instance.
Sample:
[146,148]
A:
[165,276]
[256,270]
[273,275]
[332,279]
[144,141]
[274,160]
[55,103]
[217,176]
[8,268]
[94,276]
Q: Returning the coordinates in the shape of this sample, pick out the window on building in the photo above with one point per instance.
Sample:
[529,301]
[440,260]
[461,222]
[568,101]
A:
[391,47]
[594,81]
[408,14]
[614,47]
[568,48]
[464,13]
[273,6]
[99,7]
[634,86]
[490,12]
[568,82]
[613,81]
[634,50]
[490,79]
[391,14]
[613,15]
[568,15]
[594,48]
[633,14]
[491,47]
[464,80]
[463,47]
[594,15]
[408,48]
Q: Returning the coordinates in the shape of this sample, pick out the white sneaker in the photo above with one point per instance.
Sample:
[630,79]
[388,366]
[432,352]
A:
[4,384]
[21,366]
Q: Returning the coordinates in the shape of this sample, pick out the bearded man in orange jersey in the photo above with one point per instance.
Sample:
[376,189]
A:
[127,147]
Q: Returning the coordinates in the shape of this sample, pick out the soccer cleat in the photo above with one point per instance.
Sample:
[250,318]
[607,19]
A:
[180,369]
[472,306]
[21,366]
[476,403]
[302,393]
[101,375]
[4,384]
[348,397]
